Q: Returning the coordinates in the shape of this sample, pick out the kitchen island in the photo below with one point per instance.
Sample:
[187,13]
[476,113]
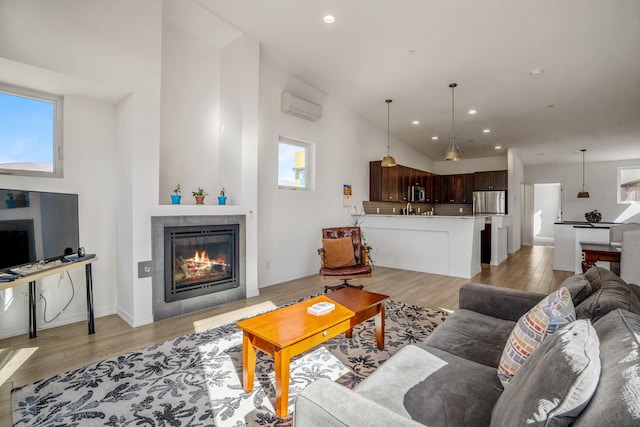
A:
[447,245]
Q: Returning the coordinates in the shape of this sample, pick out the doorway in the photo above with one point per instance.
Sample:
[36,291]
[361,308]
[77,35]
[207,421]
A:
[547,210]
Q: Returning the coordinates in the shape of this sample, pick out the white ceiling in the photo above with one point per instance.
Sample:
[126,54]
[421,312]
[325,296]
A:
[588,95]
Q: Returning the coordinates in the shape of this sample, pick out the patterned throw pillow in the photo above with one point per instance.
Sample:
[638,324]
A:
[549,315]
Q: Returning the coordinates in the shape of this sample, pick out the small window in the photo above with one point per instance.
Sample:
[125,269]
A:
[30,132]
[629,184]
[295,164]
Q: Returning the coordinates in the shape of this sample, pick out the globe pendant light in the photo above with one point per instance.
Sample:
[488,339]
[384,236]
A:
[388,160]
[453,152]
[583,194]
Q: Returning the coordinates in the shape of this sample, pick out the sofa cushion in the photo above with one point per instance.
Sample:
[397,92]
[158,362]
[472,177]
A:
[579,288]
[556,383]
[553,312]
[472,336]
[616,402]
[610,293]
[434,387]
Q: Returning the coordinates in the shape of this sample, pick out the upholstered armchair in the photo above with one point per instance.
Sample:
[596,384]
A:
[343,256]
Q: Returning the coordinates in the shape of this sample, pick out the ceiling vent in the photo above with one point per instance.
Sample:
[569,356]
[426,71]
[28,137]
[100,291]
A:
[300,107]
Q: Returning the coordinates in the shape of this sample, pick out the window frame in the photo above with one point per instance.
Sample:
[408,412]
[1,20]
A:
[58,114]
[618,186]
[309,169]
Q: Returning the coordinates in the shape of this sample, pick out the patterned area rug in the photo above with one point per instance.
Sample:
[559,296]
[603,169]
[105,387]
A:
[196,379]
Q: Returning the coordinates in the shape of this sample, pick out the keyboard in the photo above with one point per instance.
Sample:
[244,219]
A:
[38,267]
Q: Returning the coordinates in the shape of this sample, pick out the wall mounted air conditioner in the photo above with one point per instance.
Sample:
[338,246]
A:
[300,107]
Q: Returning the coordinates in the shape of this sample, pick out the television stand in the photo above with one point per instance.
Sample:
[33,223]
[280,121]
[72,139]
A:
[50,271]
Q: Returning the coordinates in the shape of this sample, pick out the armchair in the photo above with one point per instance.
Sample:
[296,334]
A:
[343,256]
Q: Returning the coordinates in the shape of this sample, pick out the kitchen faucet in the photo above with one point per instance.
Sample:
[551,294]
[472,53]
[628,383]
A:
[409,208]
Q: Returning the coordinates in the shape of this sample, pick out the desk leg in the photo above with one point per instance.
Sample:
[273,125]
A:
[32,310]
[92,328]
[281,360]
[379,319]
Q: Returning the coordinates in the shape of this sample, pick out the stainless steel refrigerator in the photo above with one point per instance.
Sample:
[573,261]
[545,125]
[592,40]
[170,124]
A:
[490,202]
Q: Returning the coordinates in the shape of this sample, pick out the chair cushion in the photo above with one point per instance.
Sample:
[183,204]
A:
[616,402]
[610,293]
[472,336]
[556,383]
[338,252]
[553,312]
[434,387]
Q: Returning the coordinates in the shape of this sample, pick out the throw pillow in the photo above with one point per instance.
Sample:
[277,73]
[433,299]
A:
[610,293]
[556,383]
[338,252]
[550,314]
[616,401]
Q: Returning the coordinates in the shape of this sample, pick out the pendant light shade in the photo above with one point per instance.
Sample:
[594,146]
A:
[388,160]
[453,152]
[583,194]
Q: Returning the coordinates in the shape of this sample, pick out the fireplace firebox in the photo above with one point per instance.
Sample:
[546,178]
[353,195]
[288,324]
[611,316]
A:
[200,259]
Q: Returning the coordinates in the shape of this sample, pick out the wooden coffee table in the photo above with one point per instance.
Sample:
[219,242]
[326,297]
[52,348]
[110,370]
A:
[289,331]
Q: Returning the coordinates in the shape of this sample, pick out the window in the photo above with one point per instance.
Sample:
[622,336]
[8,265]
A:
[295,164]
[629,184]
[30,132]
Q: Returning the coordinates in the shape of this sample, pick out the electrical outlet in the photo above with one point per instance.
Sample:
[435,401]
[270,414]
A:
[145,269]
[460,210]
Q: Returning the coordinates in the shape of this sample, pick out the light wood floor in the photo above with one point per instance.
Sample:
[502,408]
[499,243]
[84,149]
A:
[57,350]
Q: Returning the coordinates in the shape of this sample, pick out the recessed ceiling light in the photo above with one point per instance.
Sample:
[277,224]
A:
[498,147]
[329,19]
[415,122]
[486,130]
[551,105]
[472,111]
[411,52]
[435,138]
[536,71]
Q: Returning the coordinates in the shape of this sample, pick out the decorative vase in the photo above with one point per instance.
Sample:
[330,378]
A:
[222,200]
[11,203]
[199,200]
[175,199]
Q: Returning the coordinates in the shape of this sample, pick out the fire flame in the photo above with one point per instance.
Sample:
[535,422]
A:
[201,257]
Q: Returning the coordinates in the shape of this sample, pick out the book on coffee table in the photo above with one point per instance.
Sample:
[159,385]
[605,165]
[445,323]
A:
[321,308]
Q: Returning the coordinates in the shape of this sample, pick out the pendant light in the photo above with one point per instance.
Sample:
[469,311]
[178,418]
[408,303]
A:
[388,161]
[453,152]
[583,194]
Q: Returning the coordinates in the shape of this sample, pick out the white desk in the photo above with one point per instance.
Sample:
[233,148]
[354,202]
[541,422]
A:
[31,279]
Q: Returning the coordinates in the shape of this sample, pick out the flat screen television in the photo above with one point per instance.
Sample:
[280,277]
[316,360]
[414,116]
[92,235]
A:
[36,226]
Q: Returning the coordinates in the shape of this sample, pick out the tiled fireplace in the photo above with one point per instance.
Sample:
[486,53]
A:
[198,262]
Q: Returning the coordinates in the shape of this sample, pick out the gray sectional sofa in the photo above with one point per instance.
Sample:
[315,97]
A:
[451,379]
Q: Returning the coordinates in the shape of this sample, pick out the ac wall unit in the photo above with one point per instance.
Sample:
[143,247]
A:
[300,107]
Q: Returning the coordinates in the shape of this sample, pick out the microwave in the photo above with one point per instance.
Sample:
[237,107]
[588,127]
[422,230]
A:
[417,193]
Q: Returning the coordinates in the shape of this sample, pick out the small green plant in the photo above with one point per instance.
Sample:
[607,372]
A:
[222,192]
[593,216]
[177,189]
[199,192]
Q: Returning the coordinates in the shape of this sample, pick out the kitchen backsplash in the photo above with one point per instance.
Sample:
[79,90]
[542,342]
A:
[386,208]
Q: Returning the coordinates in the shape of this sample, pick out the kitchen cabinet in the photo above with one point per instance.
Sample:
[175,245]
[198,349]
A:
[385,183]
[490,180]
[456,188]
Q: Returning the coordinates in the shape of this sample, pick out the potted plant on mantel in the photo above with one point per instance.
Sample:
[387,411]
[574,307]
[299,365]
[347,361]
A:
[593,216]
[175,197]
[199,194]
[222,198]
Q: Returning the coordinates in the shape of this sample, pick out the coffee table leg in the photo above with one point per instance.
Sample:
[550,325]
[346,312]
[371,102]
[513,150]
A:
[281,360]
[248,362]
[380,326]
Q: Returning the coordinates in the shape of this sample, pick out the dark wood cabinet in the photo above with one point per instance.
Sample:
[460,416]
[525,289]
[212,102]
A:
[385,184]
[456,188]
[491,180]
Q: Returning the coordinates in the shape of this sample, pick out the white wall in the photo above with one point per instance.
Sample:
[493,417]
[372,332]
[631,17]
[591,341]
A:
[443,167]
[290,222]
[515,181]
[601,182]
[189,115]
